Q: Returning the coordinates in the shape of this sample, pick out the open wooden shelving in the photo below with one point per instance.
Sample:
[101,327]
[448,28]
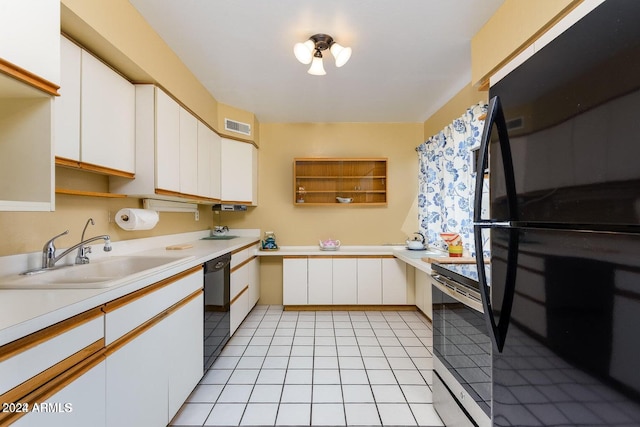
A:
[320,181]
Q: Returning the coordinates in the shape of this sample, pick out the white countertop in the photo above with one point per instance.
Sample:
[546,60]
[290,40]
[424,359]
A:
[25,311]
[411,257]
[342,250]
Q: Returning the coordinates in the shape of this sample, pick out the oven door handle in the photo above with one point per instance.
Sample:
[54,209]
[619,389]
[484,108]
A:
[456,291]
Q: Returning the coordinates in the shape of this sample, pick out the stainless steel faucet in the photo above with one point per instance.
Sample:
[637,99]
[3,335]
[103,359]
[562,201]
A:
[49,257]
[81,257]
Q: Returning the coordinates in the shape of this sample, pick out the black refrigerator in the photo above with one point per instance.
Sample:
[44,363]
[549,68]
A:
[561,146]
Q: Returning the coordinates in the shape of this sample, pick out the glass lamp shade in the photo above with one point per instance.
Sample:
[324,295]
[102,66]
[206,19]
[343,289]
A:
[317,69]
[304,51]
[341,54]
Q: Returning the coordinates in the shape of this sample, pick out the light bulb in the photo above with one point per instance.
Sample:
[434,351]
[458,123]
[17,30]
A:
[317,69]
[304,51]
[341,54]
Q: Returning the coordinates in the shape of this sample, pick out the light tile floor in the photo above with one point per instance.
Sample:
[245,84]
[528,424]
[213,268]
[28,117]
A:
[324,368]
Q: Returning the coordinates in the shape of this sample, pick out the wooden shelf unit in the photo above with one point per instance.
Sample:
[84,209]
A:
[319,181]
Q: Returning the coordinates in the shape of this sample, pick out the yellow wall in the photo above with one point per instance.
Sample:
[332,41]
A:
[24,232]
[353,225]
[453,109]
[514,26]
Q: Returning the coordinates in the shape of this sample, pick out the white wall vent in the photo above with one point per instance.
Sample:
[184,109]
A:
[237,127]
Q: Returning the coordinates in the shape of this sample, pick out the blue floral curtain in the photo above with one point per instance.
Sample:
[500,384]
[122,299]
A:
[447,181]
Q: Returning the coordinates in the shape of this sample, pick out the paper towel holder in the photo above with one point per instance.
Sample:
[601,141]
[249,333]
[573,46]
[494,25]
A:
[170,206]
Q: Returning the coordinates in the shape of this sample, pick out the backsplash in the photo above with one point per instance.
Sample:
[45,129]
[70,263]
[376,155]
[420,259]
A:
[447,181]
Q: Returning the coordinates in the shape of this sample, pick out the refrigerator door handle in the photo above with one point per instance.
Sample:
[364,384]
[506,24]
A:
[498,331]
[495,115]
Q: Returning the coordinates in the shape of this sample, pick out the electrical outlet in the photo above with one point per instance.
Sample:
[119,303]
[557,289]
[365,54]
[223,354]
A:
[197,215]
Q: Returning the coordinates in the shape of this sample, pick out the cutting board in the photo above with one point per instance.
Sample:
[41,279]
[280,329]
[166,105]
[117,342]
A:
[450,260]
[179,247]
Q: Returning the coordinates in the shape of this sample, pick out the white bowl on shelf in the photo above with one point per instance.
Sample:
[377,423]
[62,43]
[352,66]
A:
[344,199]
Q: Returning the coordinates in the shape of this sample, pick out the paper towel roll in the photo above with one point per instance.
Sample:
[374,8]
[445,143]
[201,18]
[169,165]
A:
[136,219]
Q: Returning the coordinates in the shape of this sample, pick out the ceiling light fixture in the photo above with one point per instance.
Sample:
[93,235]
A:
[310,52]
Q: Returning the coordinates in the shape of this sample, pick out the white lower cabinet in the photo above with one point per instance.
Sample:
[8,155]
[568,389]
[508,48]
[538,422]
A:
[423,292]
[369,281]
[137,387]
[238,311]
[294,281]
[345,281]
[254,282]
[79,404]
[319,282]
[394,281]
[245,285]
[152,368]
[184,352]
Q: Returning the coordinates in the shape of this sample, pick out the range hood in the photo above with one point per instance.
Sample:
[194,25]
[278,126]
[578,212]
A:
[228,208]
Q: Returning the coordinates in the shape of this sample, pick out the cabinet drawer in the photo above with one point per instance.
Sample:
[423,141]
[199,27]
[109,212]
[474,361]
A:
[238,310]
[127,313]
[239,280]
[33,354]
[239,257]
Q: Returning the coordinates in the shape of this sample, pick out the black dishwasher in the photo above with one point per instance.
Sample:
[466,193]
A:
[216,307]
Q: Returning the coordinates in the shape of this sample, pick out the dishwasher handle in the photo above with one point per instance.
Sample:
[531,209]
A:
[217,264]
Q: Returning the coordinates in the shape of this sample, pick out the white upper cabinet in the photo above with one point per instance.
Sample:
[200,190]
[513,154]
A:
[107,108]
[208,162]
[67,105]
[94,115]
[188,153]
[29,32]
[167,135]
[239,172]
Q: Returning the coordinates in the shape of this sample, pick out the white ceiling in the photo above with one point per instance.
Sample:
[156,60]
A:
[409,56]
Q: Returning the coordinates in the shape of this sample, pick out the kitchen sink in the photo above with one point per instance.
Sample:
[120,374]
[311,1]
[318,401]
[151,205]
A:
[219,238]
[102,273]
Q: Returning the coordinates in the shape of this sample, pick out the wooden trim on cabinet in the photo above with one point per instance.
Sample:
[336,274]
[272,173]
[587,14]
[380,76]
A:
[247,246]
[245,289]
[161,192]
[296,256]
[106,171]
[69,192]
[130,336]
[350,307]
[243,263]
[44,385]
[28,77]
[236,138]
[126,299]
[343,205]
[194,198]
[89,167]
[237,202]
[18,346]
[67,163]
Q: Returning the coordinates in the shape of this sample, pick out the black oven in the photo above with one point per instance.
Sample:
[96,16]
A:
[461,348]
[217,284]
